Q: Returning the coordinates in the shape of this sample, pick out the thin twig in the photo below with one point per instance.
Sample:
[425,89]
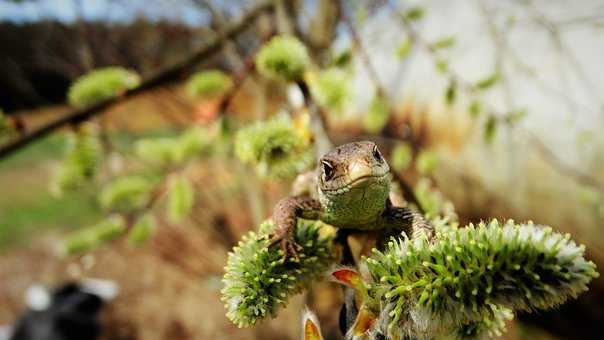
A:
[159,79]
[564,168]
[408,192]
[247,68]
[548,155]
[360,49]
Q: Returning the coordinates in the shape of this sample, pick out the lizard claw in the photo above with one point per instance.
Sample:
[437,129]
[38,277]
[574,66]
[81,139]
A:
[288,245]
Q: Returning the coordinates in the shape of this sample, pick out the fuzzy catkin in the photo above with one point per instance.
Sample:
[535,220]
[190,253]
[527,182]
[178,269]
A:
[276,147]
[82,161]
[259,279]
[283,58]
[430,288]
[101,84]
[208,83]
[490,326]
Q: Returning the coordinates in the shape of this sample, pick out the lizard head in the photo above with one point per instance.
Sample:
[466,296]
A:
[354,176]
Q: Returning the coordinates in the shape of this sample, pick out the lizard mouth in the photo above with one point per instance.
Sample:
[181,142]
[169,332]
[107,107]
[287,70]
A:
[357,182]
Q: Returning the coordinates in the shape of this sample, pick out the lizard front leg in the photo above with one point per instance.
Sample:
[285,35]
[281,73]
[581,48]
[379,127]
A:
[397,219]
[285,216]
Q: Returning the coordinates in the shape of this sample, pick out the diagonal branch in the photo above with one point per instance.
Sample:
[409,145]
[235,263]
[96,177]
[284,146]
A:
[564,168]
[161,78]
[546,153]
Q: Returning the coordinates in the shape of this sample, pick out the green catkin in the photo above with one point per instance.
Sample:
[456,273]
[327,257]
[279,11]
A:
[208,84]
[283,58]
[101,84]
[126,194]
[258,279]
[491,326]
[331,88]
[275,147]
[377,115]
[193,142]
[431,200]
[181,198]
[168,151]
[92,237]
[430,288]
[426,162]
[142,230]
[82,161]
[159,151]
[401,156]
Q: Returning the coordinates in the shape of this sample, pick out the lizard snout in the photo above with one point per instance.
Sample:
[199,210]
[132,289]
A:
[358,170]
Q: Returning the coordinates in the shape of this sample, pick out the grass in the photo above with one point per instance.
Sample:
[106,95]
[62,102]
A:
[27,207]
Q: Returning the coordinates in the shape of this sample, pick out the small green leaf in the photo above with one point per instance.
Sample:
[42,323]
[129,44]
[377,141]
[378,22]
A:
[404,48]
[487,82]
[445,42]
[451,92]
[584,137]
[360,14]
[442,65]
[490,129]
[515,116]
[475,108]
[342,59]
[414,13]
[181,198]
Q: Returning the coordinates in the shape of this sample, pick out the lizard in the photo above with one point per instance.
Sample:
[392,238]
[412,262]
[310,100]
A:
[350,189]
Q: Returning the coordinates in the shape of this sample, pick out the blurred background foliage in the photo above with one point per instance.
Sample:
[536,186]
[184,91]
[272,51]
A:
[491,107]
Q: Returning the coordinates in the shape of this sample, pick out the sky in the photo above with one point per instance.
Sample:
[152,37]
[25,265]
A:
[67,11]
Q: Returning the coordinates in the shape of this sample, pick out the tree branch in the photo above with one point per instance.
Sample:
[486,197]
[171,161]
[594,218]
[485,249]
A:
[548,155]
[159,79]
[562,167]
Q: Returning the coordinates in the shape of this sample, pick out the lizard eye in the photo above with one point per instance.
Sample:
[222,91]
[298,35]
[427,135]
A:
[376,154]
[328,170]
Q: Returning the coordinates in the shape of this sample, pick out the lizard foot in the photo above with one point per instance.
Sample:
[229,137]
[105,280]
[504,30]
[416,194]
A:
[287,243]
